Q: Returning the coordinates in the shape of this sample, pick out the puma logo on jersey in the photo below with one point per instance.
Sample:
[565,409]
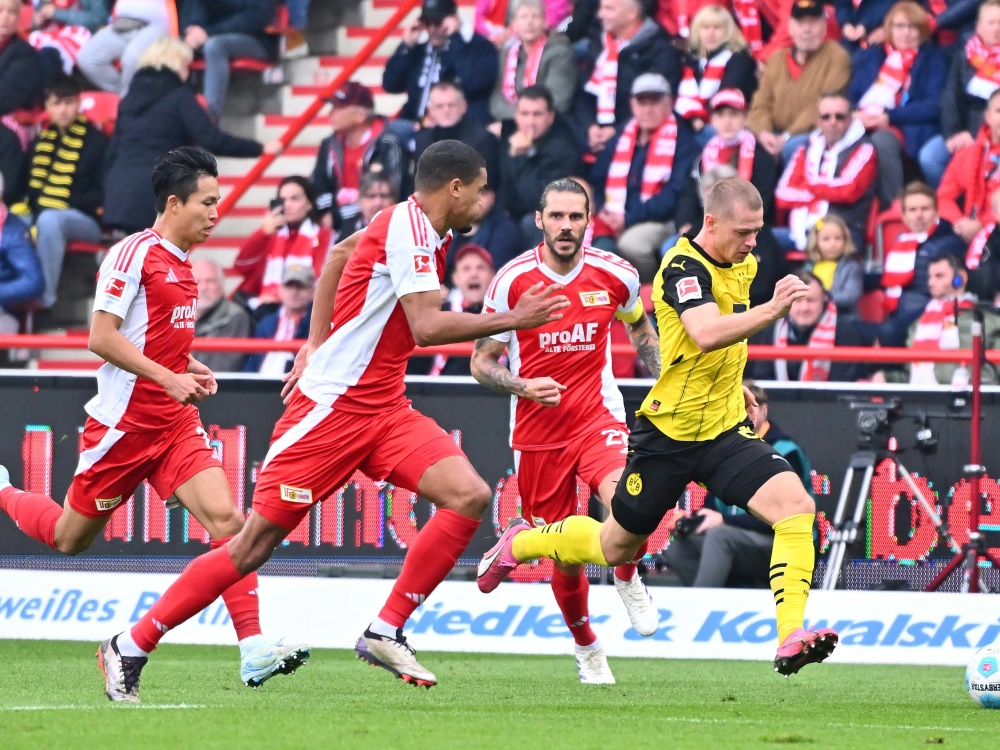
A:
[679,265]
[595,299]
[171,276]
[579,338]
[183,315]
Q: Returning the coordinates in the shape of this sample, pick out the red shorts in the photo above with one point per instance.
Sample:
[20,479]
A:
[113,463]
[546,479]
[315,449]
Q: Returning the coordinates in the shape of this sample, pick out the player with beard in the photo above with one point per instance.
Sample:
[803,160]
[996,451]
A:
[349,412]
[567,414]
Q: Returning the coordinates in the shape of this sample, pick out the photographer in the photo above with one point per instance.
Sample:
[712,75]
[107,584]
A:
[723,546]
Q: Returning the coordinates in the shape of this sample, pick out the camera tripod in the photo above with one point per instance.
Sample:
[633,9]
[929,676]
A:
[845,532]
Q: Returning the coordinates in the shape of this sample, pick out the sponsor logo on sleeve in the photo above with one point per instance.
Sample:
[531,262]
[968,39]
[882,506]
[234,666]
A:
[688,289]
[595,299]
[296,495]
[103,505]
[115,287]
[422,264]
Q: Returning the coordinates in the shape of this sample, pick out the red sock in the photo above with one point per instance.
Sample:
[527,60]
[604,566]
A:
[571,596]
[625,571]
[36,515]
[241,600]
[431,558]
[201,583]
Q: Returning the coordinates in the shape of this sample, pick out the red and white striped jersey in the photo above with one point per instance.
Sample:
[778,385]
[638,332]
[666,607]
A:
[147,282]
[362,364]
[574,351]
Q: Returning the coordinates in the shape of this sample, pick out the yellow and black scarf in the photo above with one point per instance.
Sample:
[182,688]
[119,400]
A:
[53,165]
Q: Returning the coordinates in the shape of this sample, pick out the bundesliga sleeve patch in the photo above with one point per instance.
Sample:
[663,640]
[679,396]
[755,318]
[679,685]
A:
[688,289]
[422,264]
[115,288]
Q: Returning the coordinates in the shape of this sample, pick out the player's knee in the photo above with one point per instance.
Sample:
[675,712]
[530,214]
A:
[470,498]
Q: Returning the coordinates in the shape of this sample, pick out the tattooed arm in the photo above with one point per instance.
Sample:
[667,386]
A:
[486,368]
[646,342]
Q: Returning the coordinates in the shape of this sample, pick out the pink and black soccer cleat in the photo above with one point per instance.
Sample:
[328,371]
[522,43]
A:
[499,560]
[803,647]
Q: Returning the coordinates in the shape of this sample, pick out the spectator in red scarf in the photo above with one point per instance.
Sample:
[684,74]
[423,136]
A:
[639,177]
[972,177]
[812,322]
[908,259]
[718,59]
[20,88]
[973,76]
[361,142]
[492,15]
[533,55]
[288,322]
[288,236]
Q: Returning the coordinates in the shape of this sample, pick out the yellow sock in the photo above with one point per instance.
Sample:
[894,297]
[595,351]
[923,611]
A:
[574,540]
[792,560]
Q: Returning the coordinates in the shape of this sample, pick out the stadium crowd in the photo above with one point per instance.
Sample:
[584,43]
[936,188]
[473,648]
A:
[871,129]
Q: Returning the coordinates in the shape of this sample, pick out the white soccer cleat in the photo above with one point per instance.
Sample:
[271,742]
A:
[592,664]
[121,673]
[262,660]
[4,478]
[394,655]
[639,604]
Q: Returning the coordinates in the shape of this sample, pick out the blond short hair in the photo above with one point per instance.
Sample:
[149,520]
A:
[812,245]
[735,40]
[722,198]
[167,52]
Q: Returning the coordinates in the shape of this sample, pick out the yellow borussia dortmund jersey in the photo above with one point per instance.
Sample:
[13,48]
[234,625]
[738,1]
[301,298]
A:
[698,395]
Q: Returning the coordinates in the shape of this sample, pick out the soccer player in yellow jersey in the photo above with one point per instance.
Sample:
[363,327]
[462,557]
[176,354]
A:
[693,426]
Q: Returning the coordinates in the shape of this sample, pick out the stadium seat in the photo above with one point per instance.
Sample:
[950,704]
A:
[239,65]
[870,306]
[888,226]
[101,108]
[646,295]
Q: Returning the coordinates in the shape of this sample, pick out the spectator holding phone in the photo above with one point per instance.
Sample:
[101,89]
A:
[288,236]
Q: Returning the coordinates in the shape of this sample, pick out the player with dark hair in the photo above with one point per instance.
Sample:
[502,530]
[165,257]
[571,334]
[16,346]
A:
[567,414]
[349,410]
[693,426]
[143,425]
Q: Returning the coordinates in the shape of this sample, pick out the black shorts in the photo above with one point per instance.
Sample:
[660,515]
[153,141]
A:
[732,466]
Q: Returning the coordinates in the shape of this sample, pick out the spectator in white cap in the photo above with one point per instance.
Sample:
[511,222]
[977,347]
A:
[639,177]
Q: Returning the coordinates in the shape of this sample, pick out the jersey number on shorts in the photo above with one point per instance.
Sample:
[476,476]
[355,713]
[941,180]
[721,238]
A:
[616,437]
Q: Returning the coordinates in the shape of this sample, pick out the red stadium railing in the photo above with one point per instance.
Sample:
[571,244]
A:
[253,346]
[231,198]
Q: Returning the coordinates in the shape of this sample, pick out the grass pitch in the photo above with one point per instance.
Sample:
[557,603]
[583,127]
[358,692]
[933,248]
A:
[51,697]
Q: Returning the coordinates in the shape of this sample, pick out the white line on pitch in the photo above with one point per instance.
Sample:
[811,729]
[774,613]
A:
[165,706]
[831,725]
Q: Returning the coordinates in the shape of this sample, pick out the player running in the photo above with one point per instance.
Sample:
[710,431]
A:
[567,414]
[693,425]
[349,411]
[143,425]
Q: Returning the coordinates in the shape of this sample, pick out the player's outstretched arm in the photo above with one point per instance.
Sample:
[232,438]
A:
[432,326]
[711,330]
[486,368]
[107,342]
[646,342]
[324,299]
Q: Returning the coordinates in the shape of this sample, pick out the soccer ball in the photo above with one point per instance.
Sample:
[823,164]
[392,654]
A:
[982,677]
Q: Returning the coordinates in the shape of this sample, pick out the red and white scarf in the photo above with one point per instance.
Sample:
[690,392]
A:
[66,40]
[824,336]
[692,96]
[748,16]
[892,80]
[936,330]
[655,173]
[718,151]
[301,250]
[603,82]
[899,265]
[974,255]
[509,83]
[986,61]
